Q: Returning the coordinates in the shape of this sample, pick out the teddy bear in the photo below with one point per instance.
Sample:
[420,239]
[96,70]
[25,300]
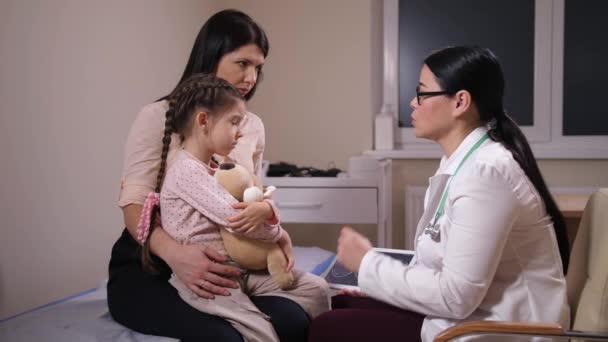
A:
[249,253]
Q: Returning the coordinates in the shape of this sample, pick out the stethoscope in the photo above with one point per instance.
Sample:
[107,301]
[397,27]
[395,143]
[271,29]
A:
[432,229]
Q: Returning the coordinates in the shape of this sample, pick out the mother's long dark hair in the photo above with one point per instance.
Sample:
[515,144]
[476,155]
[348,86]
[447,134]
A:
[478,71]
[222,33]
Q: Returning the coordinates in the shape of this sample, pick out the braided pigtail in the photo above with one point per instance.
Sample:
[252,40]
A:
[146,256]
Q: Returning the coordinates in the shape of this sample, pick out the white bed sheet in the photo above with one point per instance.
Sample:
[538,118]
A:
[85,317]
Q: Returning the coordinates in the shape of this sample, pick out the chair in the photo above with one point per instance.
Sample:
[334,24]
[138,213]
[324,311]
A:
[587,282]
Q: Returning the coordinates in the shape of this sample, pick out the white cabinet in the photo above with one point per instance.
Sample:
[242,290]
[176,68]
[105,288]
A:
[338,200]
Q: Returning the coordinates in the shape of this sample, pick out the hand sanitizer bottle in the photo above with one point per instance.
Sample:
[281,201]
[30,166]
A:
[384,129]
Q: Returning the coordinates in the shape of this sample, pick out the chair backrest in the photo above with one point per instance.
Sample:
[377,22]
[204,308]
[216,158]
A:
[587,277]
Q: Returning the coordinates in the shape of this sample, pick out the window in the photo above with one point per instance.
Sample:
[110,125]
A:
[585,73]
[553,71]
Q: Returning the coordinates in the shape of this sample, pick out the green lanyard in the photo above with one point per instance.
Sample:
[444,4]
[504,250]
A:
[433,228]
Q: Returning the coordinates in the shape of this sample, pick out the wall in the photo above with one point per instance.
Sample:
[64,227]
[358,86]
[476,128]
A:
[73,74]
[314,98]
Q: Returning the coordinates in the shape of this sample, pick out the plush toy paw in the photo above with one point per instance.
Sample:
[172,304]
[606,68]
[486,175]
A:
[277,263]
[285,280]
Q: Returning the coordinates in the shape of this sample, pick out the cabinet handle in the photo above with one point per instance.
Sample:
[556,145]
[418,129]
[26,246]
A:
[299,205]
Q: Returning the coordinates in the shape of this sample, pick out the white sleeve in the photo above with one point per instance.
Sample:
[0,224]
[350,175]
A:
[480,213]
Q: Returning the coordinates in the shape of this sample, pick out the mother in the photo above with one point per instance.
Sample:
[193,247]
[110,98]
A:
[233,47]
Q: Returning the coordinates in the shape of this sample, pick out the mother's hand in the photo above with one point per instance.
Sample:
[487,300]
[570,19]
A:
[200,269]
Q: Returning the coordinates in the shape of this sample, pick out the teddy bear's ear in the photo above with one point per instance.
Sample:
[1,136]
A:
[227,166]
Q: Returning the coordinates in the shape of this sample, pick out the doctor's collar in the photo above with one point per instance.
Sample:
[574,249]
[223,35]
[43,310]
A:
[448,165]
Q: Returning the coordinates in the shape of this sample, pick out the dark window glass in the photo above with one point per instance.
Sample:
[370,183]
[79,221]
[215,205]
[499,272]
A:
[506,27]
[585,71]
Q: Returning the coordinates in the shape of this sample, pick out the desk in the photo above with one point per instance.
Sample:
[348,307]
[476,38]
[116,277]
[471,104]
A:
[338,200]
[572,207]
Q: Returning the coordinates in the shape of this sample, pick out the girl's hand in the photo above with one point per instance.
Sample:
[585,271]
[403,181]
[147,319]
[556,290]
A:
[198,268]
[287,248]
[352,247]
[352,293]
[254,215]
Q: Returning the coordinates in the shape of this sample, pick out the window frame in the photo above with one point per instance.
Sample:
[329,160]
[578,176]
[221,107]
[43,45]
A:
[545,136]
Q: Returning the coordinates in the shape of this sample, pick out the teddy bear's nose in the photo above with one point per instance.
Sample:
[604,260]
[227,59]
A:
[226,166]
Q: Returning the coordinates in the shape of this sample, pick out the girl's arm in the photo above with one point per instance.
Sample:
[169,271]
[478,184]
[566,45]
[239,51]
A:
[191,182]
[254,215]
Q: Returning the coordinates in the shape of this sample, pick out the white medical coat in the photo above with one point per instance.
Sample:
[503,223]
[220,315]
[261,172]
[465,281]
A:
[497,257]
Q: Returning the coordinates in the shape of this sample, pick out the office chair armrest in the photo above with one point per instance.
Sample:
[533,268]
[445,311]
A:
[516,328]
[494,327]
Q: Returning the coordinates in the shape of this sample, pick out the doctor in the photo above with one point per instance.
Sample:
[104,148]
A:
[491,244]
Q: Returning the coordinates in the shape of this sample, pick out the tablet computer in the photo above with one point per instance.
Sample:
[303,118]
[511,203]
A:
[338,277]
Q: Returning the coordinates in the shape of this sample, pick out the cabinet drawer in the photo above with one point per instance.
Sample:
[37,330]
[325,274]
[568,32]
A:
[327,205]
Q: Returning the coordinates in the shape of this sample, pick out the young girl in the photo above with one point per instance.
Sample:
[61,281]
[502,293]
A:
[206,113]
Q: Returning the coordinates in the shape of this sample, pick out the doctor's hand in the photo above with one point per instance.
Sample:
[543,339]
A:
[254,215]
[352,247]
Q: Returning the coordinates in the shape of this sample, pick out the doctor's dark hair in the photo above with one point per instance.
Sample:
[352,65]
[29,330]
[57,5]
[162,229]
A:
[198,92]
[224,32]
[478,71]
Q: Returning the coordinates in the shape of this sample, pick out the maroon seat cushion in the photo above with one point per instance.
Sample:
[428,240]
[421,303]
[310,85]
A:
[365,319]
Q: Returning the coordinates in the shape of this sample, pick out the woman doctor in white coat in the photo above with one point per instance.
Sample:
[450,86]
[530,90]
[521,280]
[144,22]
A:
[491,244]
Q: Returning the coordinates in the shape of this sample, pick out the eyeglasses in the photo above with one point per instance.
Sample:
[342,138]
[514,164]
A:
[428,94]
